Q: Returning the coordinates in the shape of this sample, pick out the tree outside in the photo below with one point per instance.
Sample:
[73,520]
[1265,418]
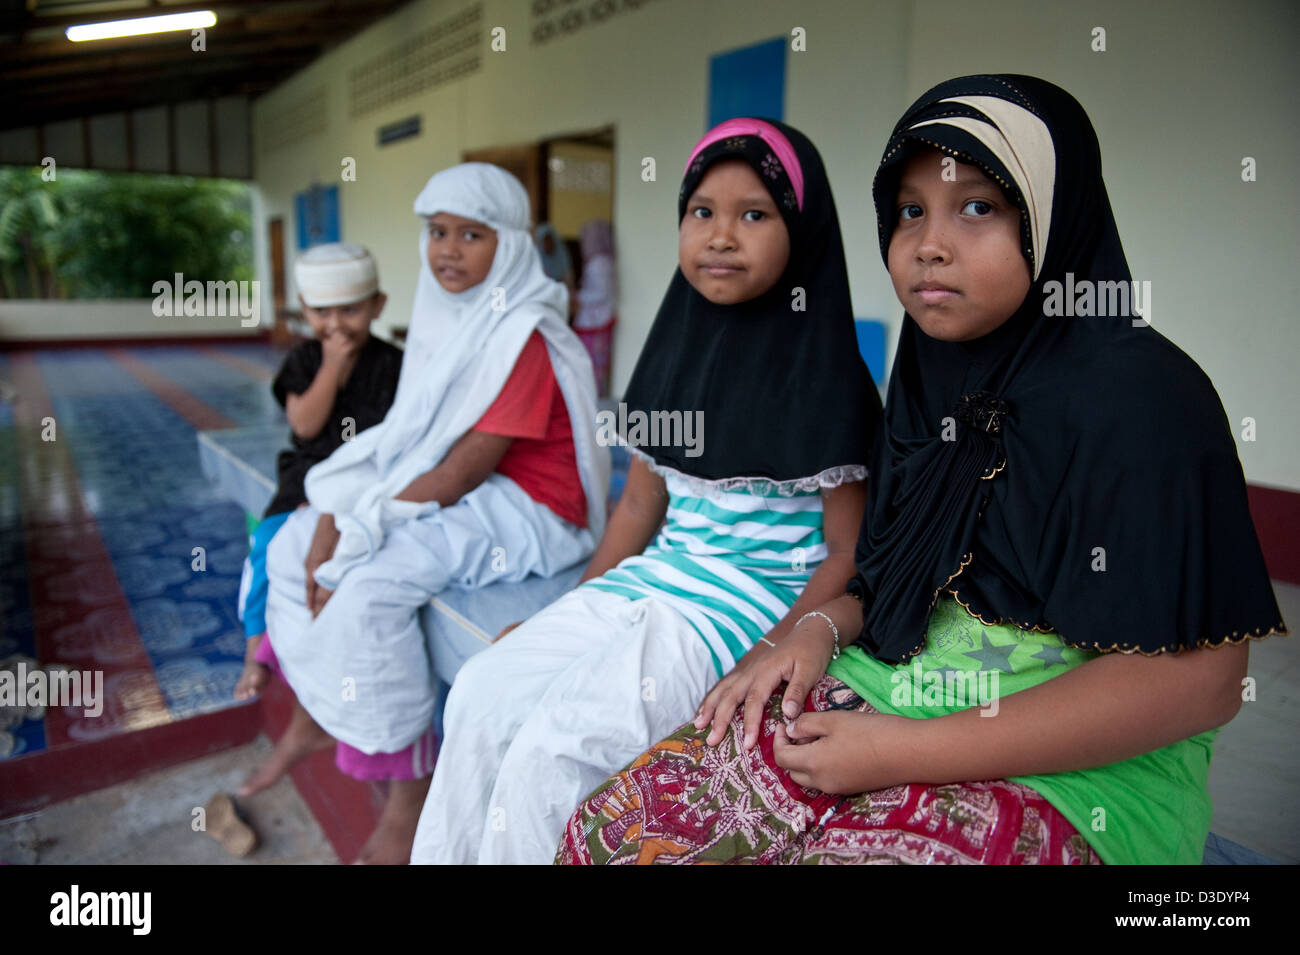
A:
[101,235]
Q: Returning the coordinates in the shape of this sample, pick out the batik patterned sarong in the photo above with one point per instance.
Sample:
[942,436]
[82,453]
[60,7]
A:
[684,801]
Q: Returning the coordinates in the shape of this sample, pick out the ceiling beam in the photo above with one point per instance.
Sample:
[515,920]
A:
[180,87]
[34,21]
[218,48]
[254,47]
[227,31]
[93,87]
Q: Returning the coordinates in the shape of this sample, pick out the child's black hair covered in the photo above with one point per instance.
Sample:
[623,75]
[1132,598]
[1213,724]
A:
[1006,464]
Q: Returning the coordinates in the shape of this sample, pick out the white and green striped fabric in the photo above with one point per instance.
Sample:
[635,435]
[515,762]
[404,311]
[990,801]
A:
[731,562]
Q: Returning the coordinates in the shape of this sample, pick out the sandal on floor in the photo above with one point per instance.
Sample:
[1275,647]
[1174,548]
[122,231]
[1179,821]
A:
[227,825]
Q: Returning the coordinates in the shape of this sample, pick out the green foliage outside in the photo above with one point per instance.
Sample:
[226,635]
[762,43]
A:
[99,235]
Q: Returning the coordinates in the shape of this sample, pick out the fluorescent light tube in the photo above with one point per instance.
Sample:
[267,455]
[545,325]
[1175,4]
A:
[141,26]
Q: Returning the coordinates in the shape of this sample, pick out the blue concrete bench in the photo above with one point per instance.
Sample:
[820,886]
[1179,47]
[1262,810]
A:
[458,622]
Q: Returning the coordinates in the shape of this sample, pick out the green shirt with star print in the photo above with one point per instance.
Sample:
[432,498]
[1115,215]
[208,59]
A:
[1150,809]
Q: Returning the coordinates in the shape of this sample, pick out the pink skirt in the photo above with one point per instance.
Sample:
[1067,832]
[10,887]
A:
[413,762]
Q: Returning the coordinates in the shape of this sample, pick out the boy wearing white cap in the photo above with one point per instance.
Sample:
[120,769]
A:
[332,388]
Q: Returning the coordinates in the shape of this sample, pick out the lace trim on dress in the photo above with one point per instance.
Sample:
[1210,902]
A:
[701,487]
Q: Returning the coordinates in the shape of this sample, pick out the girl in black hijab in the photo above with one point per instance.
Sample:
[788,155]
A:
[1056,536]
[725,534]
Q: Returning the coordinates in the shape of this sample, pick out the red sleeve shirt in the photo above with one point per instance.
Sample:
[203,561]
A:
[541,459]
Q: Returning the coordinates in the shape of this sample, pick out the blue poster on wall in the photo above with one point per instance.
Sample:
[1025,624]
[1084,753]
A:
[871,343]
[317,212]
[748,82]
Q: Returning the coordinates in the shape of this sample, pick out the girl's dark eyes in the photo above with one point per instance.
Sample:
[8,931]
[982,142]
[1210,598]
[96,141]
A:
[437,232]
[975,207]
[700,212]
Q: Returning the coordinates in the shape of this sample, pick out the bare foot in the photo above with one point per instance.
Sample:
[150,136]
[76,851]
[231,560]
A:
[255,676]
[253,680]
[302,738]
[390,843]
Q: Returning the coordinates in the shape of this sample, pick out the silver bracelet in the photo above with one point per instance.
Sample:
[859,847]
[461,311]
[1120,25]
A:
[767,641]
[835,631]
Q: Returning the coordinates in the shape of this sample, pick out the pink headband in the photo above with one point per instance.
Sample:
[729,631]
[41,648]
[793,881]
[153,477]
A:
[764,131]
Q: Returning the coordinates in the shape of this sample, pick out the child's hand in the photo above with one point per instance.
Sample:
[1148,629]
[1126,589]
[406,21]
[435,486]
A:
[842,753]
[255,675]
[319,597]
[798,660]
[323,542]
[337,349]
[506,630]
[316,594]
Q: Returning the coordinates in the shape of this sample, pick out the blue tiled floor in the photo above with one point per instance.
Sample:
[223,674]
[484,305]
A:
[136,461]
[227,389]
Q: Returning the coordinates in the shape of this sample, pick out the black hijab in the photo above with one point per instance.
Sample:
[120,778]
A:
[785,393]
[1093,487]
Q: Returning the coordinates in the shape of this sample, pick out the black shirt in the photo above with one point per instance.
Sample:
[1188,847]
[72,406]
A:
[365,398]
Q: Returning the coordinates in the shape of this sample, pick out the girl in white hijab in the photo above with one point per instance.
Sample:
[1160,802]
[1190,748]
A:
[417,502]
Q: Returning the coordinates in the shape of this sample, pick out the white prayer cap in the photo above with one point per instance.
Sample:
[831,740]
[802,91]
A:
[336,273]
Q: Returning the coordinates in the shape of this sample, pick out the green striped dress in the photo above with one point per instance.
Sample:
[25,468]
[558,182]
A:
[732,562]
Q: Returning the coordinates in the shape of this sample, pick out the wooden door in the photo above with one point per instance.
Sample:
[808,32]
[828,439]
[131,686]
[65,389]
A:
[279,293]
[527,162]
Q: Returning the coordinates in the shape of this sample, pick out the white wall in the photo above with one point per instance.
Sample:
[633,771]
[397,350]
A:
[1183,92]
[645,72]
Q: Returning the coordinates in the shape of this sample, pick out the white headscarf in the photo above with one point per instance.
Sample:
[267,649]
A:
[460,350]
